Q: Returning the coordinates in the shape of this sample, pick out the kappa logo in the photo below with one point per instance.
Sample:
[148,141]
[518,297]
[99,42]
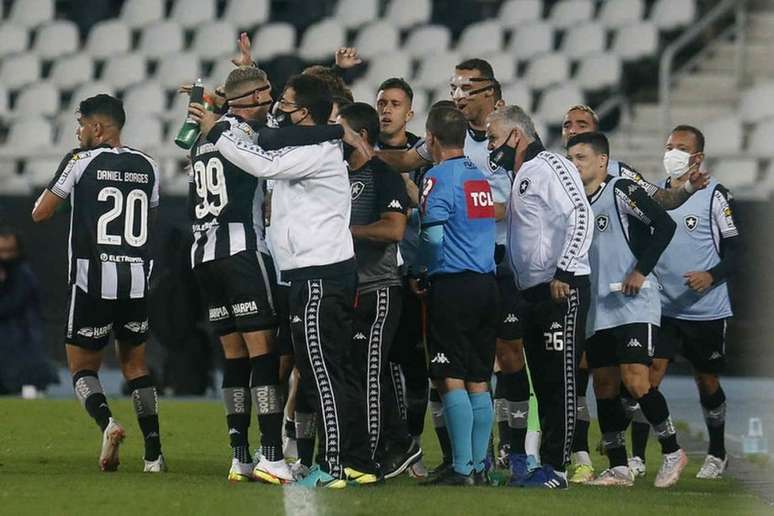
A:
[357,188]
[137,326]
[633,343]
[395,203]
[295,319]
[556,326]
[360,336]
[633,188]
[602,222]
[715,355]
[523,186]
[691,221]
[440,358]
[511,318]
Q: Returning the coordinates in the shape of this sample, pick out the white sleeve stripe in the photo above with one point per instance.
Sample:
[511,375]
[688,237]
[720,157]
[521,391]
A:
[722,215]
[256,149]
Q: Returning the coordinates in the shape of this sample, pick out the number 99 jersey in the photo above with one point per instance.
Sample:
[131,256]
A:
[111,191]
[225,203]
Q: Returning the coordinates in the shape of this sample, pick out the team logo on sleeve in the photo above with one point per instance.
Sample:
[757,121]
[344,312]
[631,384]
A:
[602,222]
[691,221]
[427,187]
[478,198]
[357,188]
[523,185]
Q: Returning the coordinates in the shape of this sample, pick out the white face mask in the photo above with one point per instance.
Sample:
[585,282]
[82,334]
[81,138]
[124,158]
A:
[676,162]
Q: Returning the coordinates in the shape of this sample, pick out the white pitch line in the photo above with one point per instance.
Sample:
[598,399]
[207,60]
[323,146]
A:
[299,501]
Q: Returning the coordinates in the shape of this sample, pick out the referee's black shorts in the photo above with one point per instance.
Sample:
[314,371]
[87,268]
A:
[239,291]
[463,310]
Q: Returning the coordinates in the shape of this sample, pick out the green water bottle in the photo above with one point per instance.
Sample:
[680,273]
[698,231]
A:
[188,134]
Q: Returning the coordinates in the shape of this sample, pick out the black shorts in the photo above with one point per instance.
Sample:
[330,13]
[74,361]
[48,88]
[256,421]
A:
[702,343]
[90,320]
[239,292]
[626,344]
[463,318]
[282,305]
[511,306]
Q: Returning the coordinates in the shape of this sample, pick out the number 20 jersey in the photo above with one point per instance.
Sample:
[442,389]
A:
[111,191]
[225,203]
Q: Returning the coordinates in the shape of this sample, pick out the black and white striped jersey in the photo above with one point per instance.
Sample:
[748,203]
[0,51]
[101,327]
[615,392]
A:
[111,191]
[225,203]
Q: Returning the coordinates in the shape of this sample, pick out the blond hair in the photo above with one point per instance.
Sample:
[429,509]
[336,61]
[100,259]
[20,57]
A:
[585,109]
[241,77]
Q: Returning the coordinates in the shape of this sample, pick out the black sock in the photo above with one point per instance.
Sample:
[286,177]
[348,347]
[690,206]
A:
[714,407]
[236,396]
[290,428]
[88,390]
[640,426]
[516,387]
[145,400]
[656,411]
[580,441]
[436,408]
[612,423]
[268,403]
[306,427]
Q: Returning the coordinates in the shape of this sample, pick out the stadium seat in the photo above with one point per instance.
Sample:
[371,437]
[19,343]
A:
[29,133]
[177,112]
[438,94]
[191,13]
[417,124]
[124,70]
[272,40]
[421,104]
[428,39]
[161,38]
[504,66]
[147,97]
[16,185]
[142,131]
[757,103]
[19,70]
[761,139]
[13,39]
[554,101]
[620,13]
[31,13]
[636,41]
[531,40]
[518,94]
[321,40]
[736,173]
[380,37]
[66,124]
[39,171]
[108,38]
[405,14]
[71,71]
[673,14]
[541,128]
[84,91]
[435,70]
[175,69]
[393,64]
[518,13]
[245,14]
[139,13]
[724,136]
[57,39]
[363,91]
[566,13]
[41,98]
[585,39]
[4,101]
[480,38]
[215,40]
[599,71]
[219,73]
[546,70]
[353,13]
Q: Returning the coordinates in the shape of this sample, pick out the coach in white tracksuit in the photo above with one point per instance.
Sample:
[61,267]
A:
[549,234]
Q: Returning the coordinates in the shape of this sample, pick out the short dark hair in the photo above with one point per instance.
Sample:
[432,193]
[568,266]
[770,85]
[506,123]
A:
[443,103]
[595,140]
[498,90]
[361,116]
[341,101]
[696,133]
[105,105]
[313,94]
[481,65]
[334,81]
[397,83]
[449,126]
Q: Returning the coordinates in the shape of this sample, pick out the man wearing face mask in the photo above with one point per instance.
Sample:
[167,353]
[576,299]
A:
[549,234]
[314,251]
[693,272]
[379,205]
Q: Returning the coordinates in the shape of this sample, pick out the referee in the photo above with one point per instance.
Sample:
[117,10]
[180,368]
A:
[549,234]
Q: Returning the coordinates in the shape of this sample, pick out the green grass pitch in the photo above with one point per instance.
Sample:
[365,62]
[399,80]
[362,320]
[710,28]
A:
[48,465]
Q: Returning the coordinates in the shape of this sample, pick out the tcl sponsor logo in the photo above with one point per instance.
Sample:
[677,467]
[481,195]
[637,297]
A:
[478,198]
